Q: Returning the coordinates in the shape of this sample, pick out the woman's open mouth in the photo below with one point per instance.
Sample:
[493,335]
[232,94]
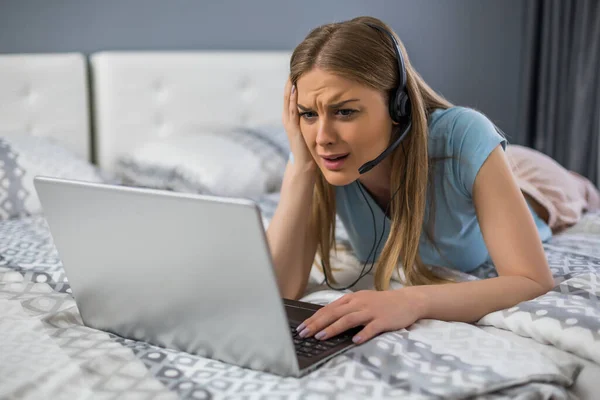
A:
[334,162]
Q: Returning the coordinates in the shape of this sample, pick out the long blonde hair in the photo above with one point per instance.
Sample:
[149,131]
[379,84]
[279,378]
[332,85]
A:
[356,51]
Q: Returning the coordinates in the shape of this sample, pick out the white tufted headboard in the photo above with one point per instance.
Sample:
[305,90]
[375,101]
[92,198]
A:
[144,95]
[46,95]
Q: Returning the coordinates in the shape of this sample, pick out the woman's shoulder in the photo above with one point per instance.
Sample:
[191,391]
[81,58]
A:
[456,120]
[458,127]
[467,137]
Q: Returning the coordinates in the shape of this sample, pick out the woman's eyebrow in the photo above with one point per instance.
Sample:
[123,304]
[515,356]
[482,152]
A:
[336,105]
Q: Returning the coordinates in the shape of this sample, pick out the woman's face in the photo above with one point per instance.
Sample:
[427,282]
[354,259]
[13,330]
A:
[345,124]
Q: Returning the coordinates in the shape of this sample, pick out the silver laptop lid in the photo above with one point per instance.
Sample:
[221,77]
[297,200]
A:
[187,272]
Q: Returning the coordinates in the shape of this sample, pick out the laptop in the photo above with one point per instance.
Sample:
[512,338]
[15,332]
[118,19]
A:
[181,271]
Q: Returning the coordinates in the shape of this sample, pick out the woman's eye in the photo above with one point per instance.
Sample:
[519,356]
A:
[307,114]
[346,112]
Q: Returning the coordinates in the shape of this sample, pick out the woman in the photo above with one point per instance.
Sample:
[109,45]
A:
[446,192]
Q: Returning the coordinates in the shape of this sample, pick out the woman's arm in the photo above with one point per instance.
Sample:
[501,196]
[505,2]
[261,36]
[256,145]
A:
[514,245]
[292,246]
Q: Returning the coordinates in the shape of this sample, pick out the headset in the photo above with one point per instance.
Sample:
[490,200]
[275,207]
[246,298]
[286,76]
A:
[399,107]
[400,112]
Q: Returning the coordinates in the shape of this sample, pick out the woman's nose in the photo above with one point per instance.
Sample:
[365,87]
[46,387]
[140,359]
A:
[326,134]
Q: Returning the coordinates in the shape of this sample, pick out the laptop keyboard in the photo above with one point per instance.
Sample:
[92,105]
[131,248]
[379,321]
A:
[311,347]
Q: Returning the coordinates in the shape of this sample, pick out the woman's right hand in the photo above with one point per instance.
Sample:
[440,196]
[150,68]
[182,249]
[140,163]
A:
[291,123]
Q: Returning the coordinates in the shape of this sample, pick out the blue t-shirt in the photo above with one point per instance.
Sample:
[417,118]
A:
[468,137]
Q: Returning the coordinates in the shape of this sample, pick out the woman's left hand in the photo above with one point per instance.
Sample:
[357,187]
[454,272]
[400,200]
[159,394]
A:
[377,311]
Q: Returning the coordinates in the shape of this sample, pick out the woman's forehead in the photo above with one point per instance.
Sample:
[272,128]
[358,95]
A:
[317,79]
[324,86]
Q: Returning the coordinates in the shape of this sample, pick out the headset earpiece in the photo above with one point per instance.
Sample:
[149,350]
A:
[399,106]
[404,108]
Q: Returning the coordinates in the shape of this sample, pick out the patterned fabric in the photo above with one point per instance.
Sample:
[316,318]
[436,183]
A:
[47,352]
[567,317]
[22,157]
[432,358]
[238,162]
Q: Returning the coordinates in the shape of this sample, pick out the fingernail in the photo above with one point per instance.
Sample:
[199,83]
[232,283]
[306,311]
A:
[304,333]
[356,339]
[293,88]
[300,327]
[320,335]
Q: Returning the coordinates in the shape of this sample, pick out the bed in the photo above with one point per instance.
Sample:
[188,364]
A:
[209,122]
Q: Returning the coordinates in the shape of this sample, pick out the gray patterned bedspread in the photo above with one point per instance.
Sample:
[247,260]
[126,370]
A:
[46,351]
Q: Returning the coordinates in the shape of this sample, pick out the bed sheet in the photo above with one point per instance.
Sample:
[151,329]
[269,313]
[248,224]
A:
[46,350]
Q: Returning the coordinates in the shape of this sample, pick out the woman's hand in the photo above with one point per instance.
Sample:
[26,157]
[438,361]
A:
[291,123]
[377,311]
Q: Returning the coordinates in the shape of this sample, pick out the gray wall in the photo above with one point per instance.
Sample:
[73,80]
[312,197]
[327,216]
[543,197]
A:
[469,50]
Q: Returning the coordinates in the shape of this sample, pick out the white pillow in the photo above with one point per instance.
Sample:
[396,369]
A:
[231,162]
[22,157]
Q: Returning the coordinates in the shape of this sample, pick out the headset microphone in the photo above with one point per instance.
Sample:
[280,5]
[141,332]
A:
[366,167]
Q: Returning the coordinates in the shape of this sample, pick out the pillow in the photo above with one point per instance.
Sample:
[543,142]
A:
[22,157]
[230,162]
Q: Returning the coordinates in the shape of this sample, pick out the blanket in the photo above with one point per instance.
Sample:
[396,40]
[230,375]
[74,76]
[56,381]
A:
[47,352]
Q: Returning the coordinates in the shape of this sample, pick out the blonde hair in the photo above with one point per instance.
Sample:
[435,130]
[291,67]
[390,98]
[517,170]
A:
[356,51]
